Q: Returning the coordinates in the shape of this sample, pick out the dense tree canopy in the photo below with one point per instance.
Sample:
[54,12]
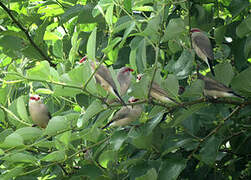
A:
[41,43]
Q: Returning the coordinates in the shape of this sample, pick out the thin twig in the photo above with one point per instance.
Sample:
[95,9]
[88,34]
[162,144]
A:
[26,33]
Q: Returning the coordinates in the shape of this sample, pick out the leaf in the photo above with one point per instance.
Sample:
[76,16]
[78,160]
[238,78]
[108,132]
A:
[244,27]
[109,15]
[106,157]
[54,156]
[195,90]
[75,42]
[13,173]
[183,66]
[29,133]
[92,110]
[247,47]
[224,73]
[40,72]
[117,139]
[90,171]
[86,15]
[21,109]
[40,31]
[141,138]
[57,124]
[208,152]
[152,28]
[237,6]
[43,91]
[172,85]
[219,34]
[174,28]
[58,49]
[21,158]
[150,175]
[13,140]
[171,168]
[91,45]
[242,81]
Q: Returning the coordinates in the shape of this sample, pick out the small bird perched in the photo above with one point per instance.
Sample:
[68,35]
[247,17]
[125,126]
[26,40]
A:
[124,78]
[104,78]
[203,47]
[38,111]
[158,93]
[126,115]
[216,89]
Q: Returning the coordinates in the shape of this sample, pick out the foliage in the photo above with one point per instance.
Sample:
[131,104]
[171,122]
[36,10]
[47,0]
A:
[40,45]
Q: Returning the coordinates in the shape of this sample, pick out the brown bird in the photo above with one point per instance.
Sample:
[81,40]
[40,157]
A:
[203,47]
[124,78]
[38,111]
[126,115]
[216,89]
[104,78]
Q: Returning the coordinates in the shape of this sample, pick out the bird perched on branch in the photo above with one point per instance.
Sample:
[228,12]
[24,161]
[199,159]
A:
[216,89]
[38,111]
[126,114]
[124,78]
[104,78]
[203,47]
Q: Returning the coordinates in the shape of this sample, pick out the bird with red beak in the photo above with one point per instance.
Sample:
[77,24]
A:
[124,78]
[104,78]
[216,89]
[126,114]
[38,111]
[203,47]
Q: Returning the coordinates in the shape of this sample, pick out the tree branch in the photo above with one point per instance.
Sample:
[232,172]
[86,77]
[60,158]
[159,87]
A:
[26,33]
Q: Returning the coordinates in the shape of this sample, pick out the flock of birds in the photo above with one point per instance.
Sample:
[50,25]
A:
[129,113]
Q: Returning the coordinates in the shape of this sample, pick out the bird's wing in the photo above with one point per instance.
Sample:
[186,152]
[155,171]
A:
[204,44]
[211,84]
[44,110]
[106,75]
[122,113]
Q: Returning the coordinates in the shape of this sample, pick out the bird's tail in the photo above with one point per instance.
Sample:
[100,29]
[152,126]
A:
[210,65]
[121,100]
[237,95]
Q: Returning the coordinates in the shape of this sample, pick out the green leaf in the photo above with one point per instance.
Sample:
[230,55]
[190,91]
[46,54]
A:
[12,173]
[43,91]
[219,34]
[174,46]
[58,50]
[106,157]
[244,27]
[75,42]
[183,66]
[20,157]
[39,35]
[171,168]
[141,138]
[172,85]
[109,15]
[152,28]
[54,156]
[92,110]
[247,47]
[242,81]
[224,73]
[150,175]
[86,15]
[41,71]
[117,139]
[91,45]
[237,6]
[21,109]
[208,152]
[57,124]
[13,140]
[195,90]
[174,29]
[90,171]
[29,133]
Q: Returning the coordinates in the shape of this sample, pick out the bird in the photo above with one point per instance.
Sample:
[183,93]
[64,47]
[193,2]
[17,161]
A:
[159,93]
[38,111]
[104,78]
[203,47]
[124,78]
[126,114]
[216,89]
